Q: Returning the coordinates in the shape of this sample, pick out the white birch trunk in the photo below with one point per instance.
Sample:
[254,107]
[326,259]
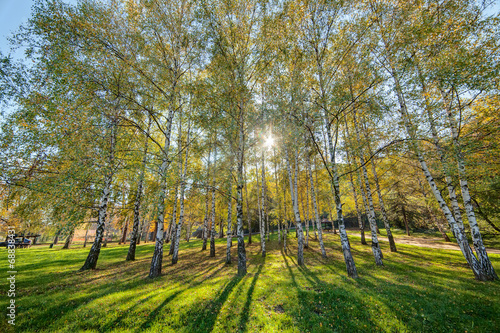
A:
[346,246]
[315,207]
[263,207]
[229,217]
[377,252]
[86,234]
[242,262]
[278,198]
[138,196]
[177,238]
[156,261]
[173,223]
[295,205]
[93,256]
[212,229]
[205,221]
[484,261]
[249,221]
[442,158]
[457,231]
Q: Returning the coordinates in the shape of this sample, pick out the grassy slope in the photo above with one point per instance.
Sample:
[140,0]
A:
[418,290]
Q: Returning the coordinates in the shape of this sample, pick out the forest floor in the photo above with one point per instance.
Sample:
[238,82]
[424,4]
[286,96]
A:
[418,289]
[422,240]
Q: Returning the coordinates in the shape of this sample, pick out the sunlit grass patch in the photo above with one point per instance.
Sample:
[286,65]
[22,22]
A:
[418,289]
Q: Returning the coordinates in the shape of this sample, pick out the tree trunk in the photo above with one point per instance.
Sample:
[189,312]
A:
[315,206]
[91,261]
[306,218]
[346,246]
[177,238]
[308,210]
[457,230]
[212,230]
[56,238]
[86,234]
[205,221]
[249,218]
[135,236]
[69,239]
[242,262]
[174,232]
[155,232]
[156,261]
[173,224]
[442,158]
[278,198]
[229,216]
[285,231]
[405,219]
[295,205]
[387,225]
[146,232]
[106,236]
[370,210]
[262,209]
[123,240]
[477,239]
[358,212]
[431,214]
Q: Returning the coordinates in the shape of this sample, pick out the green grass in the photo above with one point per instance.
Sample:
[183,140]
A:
[418,289]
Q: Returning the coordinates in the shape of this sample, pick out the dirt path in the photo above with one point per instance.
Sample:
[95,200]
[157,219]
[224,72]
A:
[430,242]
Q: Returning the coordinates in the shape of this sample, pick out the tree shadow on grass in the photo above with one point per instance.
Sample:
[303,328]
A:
[202,317]
[99,287]
[322,307]
[245,313]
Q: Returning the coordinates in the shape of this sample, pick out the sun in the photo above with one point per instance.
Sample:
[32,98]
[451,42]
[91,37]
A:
[269,141]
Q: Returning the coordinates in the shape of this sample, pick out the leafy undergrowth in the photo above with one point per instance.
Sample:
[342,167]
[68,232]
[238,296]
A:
[418,289]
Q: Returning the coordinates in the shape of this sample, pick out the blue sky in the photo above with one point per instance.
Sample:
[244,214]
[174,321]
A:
[12,14]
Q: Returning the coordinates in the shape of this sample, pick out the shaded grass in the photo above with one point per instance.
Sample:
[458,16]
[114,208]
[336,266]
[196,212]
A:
[418,289]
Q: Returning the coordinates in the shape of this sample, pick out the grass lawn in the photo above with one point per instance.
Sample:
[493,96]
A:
[418,289]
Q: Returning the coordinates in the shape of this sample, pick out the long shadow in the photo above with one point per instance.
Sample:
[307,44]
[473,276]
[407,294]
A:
[245,313]
[204,316]
[66,304]
[152,316]
[110,326]
[320,302]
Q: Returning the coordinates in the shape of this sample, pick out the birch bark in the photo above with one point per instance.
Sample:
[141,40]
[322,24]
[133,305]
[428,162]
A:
[229,216]
[457,230]
[477,240]
[69,239]
[315,206]
[138,196]
[177,238]
[212,229]
[242,266]
[205,221]
[156,261]
[173,224]
[377,252]
[346,247]
[249,221]
[442,158]
[262,209]
[295,205]
[91,261]
[387,225]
